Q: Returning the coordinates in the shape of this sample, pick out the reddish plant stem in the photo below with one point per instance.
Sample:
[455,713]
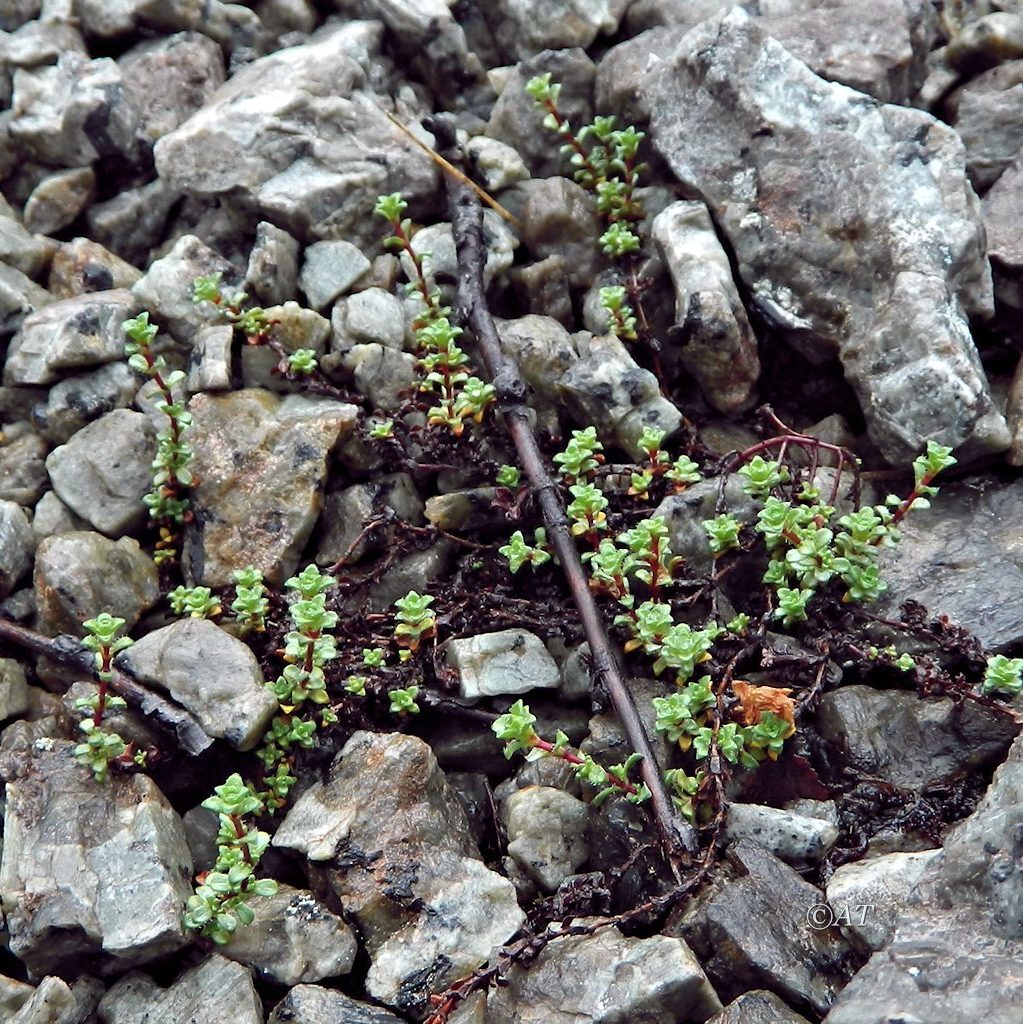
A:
[570,758]
[678,836]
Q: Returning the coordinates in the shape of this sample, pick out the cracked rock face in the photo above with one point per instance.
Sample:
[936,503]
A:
[852,224]
[87,869]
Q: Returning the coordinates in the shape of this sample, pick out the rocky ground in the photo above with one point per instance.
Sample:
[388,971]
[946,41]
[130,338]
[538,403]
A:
[833,206]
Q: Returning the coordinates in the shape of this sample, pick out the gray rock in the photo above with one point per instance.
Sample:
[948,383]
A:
[294,939]
[79,575]
[52,516]
[793,838]
[22,469]
[345,514]
[525,27]
[261,462]
[13,689]
[293,136]
[516,121]
[104,470]
[381,374]
[499,165]
[868,897]
[719,347]
[757,1007]
[211,673]
[398,853]
[69,335]
[52,1002]
[76,401]
[413,572]
[133,221]
[168,80]
[13,995]
[560,218]
[911,742]
[606,977]
[22,250]
[17,543]
[57,200]
[960,557]
[796,228]
[272,274]
[81,266]
[546,833]
[284,16]
[209,365]
[131,725]
[86,868]
[166,288]
[465,510]
[1003,219]
[294,327]
[311,1004]
[987,118]
[370,316]
[958,942]
[608,389]
[987,41]
[19,296]
[509,661]
[74,112]
[214,991]
[328,269]
[756,930]
[542,349]
[17,12]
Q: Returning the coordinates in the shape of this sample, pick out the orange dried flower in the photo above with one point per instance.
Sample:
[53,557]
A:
[755,700]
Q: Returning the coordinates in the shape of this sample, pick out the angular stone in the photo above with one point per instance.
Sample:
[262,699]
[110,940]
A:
[57,200]
[499,165]
[542,349]
[381,374]
[69,335]
[261,462]
[272,274]
[52,1002]
[718,345]
[168,80]
[311,1004]
[211,673]
[793,838]
[295,327]
[465,510]
[53,516]
[757,930]
[214,991]
[509,661]
[525,27]
[436,245]
[603,978]
[958,942]
[74,112]
[22,469]
[294,939]
[13,995]
[757,1007]
[812,243]
[104,470]
[909,741]
[345,513]
[373,315]
[81,266]
[17,543]
[166,288]
[560,218]
[78,575]
[1003,219]
[987,41]
[293,136]
[608,389]
[400,857]
[976,530]
[134,221]
[22,250]
[19,296]
[76,401]
[328,269]
[13,690]
[86,868]
[987,118]
[209,364]
[869,896]
[546,833]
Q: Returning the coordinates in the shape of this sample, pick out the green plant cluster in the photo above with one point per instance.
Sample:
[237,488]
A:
[515,730]
[605,162]
[195,602]
[167,502]
[220,902]
[1003,676]
[250,605]
[102,747]
[444,365]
